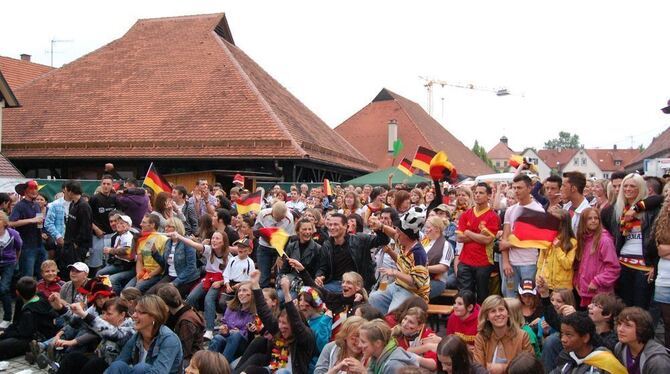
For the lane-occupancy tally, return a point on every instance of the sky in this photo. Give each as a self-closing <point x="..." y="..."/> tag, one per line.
<point x="595" y="68"/>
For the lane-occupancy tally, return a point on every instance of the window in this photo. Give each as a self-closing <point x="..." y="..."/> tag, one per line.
<point x="576" y="162"/>
<point x="617" y="162"/>
<point x="583" y="161"/>
<point x="606" y="176"/>
<point x="497" y="164"/>
<point x="533" y="161"/>
<point x="505" y="162"/>
<point x="591" y="175"/>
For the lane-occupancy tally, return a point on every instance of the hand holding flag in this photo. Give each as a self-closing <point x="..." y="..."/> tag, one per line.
<point x="277" y="238"/>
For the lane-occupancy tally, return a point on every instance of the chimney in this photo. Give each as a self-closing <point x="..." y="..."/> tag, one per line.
<point x="615" y="147"/>
<point x="392" y="134"/>
<point x="503" y="140"/>
<point x="25" y="57"/>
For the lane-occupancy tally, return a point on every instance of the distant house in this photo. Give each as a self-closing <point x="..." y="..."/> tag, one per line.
<point x="500" y="155"/>
<point x="543" y="170"/>
<point x="659" y="148"/>
<point x="373" y="129"/>
<point x="180" y="92"/>
<point x="594" y="163"/>
<point x="7" y="100"/>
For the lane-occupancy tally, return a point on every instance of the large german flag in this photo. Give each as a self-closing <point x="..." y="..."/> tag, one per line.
<point x="422" y="159"/>
<point x="277" y="238"/>
<point x="156" y="181"/>
<point x="533" y="229"/>
<point x="251" y="203"/>
<point x="406" y="167"/>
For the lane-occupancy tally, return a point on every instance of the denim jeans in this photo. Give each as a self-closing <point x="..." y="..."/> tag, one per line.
<point x="436" y="288"/>
<point x="120" y="367"/>
<point x="145" y="284"/>
<point x="211" y="297"/>
<point x="6" y="274"/>
<point x="266" y="257"/>
<point x="521" y="272"/>
<point x="95" y="258"/>
<point x="119" y="276"/>
<point x="31" y="260"/>
<point x="475" y="279"/>
<point x="232" y="346"/>
<point x="333" y="286"/>
<point x="390" y="298"/>
<point x="551" y="348"/>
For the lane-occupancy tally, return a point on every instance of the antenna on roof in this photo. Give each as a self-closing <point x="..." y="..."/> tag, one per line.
<point x="54" y="41"/>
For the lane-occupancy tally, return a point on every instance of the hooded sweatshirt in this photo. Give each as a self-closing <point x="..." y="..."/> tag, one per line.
<point x="392" y="359"/>
<point x="10" y="245"/>
<point x="465" y="329"/>
<point x="602" y="267"/>
<point x="33" y="321"/>
<point x="600" y="360"/>
<point x="654" y="357"/>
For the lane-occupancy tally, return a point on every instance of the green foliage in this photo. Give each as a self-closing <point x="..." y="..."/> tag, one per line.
<point x="565" y="140"/>
<point x="481" y="153"/>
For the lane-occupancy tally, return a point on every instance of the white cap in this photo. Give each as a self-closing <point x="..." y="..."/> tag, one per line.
<point x="127" y="220"/>
<point x="79" y="266"/>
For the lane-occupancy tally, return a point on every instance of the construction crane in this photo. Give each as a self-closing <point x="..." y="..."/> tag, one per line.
<point x="429" y="82"/>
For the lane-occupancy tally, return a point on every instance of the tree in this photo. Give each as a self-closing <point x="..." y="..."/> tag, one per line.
<point x="481" y="153"/>
<point x="565" y="140"/>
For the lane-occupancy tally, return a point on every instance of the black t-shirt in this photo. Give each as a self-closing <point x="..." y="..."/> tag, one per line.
<point x="101" y="205"/>
<point x="342" y="261"/>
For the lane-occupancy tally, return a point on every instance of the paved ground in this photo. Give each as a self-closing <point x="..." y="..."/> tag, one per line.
<point x="19" y="363"/>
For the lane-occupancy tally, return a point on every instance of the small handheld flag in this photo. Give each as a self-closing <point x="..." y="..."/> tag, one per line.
<point x="397" y="147"/>
<point x="517" y="160"/>
<point x="251" y="203"/>
<point x="406" y="167"/>
<point x="156" y="181"/>
<point x="422" y="159"/>
<point x="327" y="190"/>
<point x="277" y="238"/>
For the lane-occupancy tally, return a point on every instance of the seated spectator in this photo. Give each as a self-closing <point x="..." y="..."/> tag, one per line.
<point x="153" y="347"/>
<point x="306" y="250"/>
<point x="525" y="363"/>
<point x="121" y="255"/>
<point x="603" y="311"/>
<point x="580" y="352"/>
<point x="50" y="282"/>
<point x="454" y="357"/>
<point x="516" y="315"/>
<point x="499" y="338"/>
<point x="411" y="334"/>
<point x="130" y="296"/>
<point x="346" y="345"/>
<point x="206" y="362"/>
<point x="439" y="254"/>
<point x="238" y="268"/>
<point x="396" y="315"/>
<point x="637" y="350"/>
<point x="34" y="321"/>
<point x="183" y="320"/>
<point x="312" y="308"/>
<point x="234" y="334"/>
<point x="367" y="312"/>
<point x="147" y="270"/>
<point x="462" y="321"/>
<point x="78" y="277"/>
<point x="179" y="261"/>
<point x="114" y="326"/>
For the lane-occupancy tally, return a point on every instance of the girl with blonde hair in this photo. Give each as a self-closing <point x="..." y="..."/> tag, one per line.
<point x="345" y="345"/>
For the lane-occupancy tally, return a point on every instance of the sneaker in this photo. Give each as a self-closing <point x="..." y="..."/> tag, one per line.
<point x="5" y="324"/>
<point x="31" y="356"/>
<point x="209" y="335"/>
<point x="42" y="361"/>
<point x="51" y="353"/>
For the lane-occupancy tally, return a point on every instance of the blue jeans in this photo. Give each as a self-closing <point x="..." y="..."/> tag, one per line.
<point x="266" y="257"/>
<point x="551" y="348"/>
<point x="6" y="274"/>
<point x="118" y="275"/>
<point x="120" y="367"/>
<point x="211" y="297"/>
<point x="143" y="285"/>
<point x="232" y="346"/>
<point x="333" y="286"/>
<point x="436" y="288"/>
<point x="521" y="272"/>
<point x="31" y="260"/>
<point x="390" y="298"/>
<point x="95" y="258"/>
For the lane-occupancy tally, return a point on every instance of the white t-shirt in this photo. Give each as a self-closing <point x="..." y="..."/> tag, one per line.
<point x="124" y="240"/>
<point x="633" y="244"/>
<point x="663" y="279"/>
<point x="214" y="264"/>
<point x="172" y="271"/>
<point x="238" y="270"/>
<point x="577" y="213"/>
<point x="521" y="256"/>
<point x="447" y="257"/>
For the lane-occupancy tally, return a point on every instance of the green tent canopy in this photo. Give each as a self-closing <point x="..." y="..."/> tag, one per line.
<point x="380" y="178"/>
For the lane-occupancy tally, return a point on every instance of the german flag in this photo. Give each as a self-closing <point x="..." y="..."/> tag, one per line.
<point x="327" y="190"/>
<point x="156" y="181"/>
<point x="277" y="238"/>
<point x="406" y="167"/>
<point x="422" y="159"/>
<point x="533" y="229"/>
<point x="441" y="167"/>
<point x="517" y="160"/>
<point x="251" y="203"/>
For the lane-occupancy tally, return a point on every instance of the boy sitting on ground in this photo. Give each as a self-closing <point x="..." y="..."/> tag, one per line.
<point x="50" y="281"/>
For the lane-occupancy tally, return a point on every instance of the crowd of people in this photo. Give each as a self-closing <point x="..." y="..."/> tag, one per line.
<point x="132" y="281"/>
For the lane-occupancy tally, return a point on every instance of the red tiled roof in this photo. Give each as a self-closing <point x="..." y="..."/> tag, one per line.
<point x="659" y="148"/>
<point x="19" y="72"/>
<point x="556" y="159"/>
<point x="8" y="170"/>
<point x="500" y="151"/>
<point x="169" y="88"/>
<point x="367" y="131"/>
<point x="605" y="158"/>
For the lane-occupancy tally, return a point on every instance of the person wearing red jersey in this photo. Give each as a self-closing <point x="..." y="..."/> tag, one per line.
<point x="476" y="230"/>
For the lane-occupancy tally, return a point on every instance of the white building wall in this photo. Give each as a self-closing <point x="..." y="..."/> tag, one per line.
<point x="544" y="171"/>
<point x="583" y="163"/>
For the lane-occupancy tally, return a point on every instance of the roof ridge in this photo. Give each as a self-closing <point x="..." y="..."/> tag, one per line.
<point x="27" y="62"/>
<point x="414" y="120"/>
<point x="252" y="86"/>
<point x="190" y="16"/>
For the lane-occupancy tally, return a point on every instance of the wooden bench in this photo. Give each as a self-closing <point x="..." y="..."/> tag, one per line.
<point x="437" y="314"/>
<point x="449" y="293"/>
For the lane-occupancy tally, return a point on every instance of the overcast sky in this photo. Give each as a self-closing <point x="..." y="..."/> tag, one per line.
<point x="596" y="68"/>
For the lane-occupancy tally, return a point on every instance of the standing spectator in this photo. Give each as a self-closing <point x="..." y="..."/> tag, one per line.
<point x="5" y="202"/>
<point x="612" y="194"/>
<point x="102" y="203"/>
<point x="276" y="216"/>
<point x="10" y="247"/>
<point x="223" y="222"/>
<point x="555" y="263"/>
<point x="203" y="201"/>
<point x="180" y="201"/>
<point x="662" y="292"/>
<point x="572" y="191"/>
<point x="133" y="200"/>
<point x="518" y="263"/>
<point x="77" y="228"/>
<point x="26" y="219"/>
<point x="295" y="203"/>
<point x="477" y="229"/>
<point x="54" y="223"/>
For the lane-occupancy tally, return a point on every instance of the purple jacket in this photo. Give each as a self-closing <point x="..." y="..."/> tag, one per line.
<point x="602" y="267"/>
<point x="9" y="251"/>
<point x="237" y="319"/>
<point x="135" y="203"/>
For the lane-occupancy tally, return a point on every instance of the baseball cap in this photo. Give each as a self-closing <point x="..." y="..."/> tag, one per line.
<point x="244" y="242"/>
<point x="127" y="220"/>
<point x="442" y="207"/>
<point x="79" y="266"/>
<point x="527" y="286"/>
